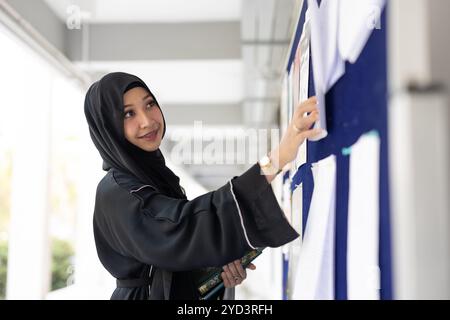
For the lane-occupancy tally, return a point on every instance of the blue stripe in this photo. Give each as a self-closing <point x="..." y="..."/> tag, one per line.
<point x="297" y="36"/>
<point x="340" y="274"/>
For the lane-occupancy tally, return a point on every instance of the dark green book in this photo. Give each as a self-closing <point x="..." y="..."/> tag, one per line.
<point x="211" y="281"/>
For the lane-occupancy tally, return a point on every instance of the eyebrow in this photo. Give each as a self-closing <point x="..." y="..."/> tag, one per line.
<point x="143" y="99"/>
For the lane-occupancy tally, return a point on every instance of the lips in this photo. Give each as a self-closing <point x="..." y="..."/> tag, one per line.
<point x="149" y="134"/>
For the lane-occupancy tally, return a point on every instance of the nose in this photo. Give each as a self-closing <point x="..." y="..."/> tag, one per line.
<point x="145" y="121"/>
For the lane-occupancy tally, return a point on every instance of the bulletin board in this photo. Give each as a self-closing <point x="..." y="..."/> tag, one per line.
<point x="355" y="105"/>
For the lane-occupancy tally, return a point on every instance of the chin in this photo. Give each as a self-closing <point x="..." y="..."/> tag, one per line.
<point x="154" y="147"/>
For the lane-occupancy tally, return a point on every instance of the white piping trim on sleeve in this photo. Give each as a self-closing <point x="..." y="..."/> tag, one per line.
<point x="145" y="186"/>
<point x="150" y="276"/>
<point x="240" y="216"/>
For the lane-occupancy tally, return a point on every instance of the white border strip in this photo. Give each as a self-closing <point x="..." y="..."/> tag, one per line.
<point x="147" y="185"/>
<point x="240" y="216"/>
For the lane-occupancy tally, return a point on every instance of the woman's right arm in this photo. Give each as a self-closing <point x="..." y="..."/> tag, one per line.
<point x="297" y="132"/>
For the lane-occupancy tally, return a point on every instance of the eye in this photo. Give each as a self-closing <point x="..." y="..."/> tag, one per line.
<point x="151" y="104"/>
<point x="128" y="114"/>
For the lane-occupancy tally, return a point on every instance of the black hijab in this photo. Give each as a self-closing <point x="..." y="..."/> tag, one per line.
<point x="104" y="110"/>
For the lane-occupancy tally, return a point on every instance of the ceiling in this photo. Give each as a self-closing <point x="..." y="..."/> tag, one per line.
<point x="184" y="81"/>
<point x="150" y="11"/>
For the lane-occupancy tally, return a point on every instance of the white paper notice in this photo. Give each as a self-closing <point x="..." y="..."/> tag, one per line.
<point x="328" y="65"/>
<point x="295" y="246"/>
<point x="315" y="272"/>
<point x="363" y="272"/>
<point x="303" y="52"/>
<point x="357" y="20"/>
<point x="304" y="48"/>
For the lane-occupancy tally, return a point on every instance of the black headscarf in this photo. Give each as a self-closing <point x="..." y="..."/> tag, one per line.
<point x="104" y="110"/>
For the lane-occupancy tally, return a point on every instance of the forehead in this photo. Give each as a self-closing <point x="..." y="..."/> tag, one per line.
<point x="134" y="94"/>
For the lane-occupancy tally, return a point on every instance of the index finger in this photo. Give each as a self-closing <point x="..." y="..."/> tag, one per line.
<point x="309" y="105"/>
<point x="312" y="99"/>
<point x="240" y="269"/>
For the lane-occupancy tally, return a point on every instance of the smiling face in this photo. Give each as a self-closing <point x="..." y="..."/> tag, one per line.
<point x="143" y="121"/>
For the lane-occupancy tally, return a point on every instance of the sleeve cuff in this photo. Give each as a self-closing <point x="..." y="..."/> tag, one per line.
<point x="252" y="183"/>
<point x="264" y="221"/>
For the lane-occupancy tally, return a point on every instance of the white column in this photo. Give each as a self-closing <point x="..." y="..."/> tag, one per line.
<point x="92" y="281"/>
<point x="419" y="131"/>
<point x="408" y="43"/>
<point x="28" y="255"/>
<point x="419" y="158"/>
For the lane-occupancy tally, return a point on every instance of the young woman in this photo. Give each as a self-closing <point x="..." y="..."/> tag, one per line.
<point x="152" y="239"/>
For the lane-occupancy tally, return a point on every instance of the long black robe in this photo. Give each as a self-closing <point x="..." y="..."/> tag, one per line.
<point x="139" y="230"/>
